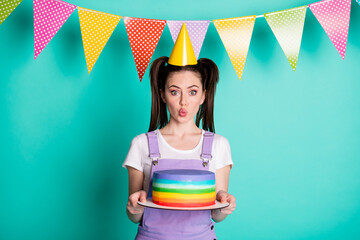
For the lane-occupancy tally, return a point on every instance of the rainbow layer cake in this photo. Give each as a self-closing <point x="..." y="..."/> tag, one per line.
<point x="183" y="188"/>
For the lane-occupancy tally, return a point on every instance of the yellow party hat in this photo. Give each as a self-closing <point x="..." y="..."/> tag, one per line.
<point x="183" y="52"/>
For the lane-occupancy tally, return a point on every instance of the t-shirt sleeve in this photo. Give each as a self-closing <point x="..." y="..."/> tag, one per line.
<point x="135" y="155"/>
<point x="223" y="153"/>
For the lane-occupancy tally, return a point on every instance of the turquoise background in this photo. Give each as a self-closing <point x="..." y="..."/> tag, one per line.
<point x="294" y="137"/>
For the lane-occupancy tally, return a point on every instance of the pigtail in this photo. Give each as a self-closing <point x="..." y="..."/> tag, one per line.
<point x="158" y="76"/>
<point x="210" y="74"/>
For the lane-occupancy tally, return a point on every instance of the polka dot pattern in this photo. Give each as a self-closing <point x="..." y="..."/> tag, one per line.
<point x="96" y="29"/>
<point x="144" y="34"/>
<point x="49" y="16"/>
<point x="288" y="28"/>
<point x="235" y="34"/>
<point x="334" y="16"/>
<point x="196" y="29"/>
<point x="6" y="7"/>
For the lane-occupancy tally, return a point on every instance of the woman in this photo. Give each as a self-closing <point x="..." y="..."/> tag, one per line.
<point x="186" y="91"/>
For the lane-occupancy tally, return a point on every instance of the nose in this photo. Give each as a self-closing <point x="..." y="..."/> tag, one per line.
<point x="183" y="99"/>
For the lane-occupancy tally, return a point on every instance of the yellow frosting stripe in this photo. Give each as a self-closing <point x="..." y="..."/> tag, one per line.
<point x="183" y="196"/>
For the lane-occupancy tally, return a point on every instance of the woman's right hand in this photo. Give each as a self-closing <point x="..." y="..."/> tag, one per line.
<point x="132" y="206"/>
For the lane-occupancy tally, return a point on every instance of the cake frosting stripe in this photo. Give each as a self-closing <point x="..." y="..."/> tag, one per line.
<point x="186" y="186"/>
<point x="183" y="188"/>
<point x="170" y="204"/>
<point x="166" y="181"/>
<point x="183" y="196"/>
<point x="176" y="200"/>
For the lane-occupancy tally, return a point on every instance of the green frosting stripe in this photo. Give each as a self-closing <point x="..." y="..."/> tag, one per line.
<point x="184" y="191"/>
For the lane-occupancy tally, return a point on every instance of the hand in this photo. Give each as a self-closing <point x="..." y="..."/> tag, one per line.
<point x="132" y="206"/>
<point x="223" y="197"/>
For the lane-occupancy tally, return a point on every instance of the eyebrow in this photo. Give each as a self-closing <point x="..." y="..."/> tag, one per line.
<point x="179" y="87"/>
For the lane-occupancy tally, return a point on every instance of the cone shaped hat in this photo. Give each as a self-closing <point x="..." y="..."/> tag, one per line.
<point x="183" y="52"/>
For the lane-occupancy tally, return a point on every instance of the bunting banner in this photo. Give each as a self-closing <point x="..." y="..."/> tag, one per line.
<point x="49" y="16"/>
<point x="196" y="29"/>
<point x="96" y="29"/>
<point x="334" y="17"/>
<point x="287" y="26"/>
<point x="235" y="33"/>
<point x="144" y="34"/>
<point x="6" y="8"/>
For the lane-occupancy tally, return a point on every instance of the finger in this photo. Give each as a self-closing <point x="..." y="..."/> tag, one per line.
<point x="230" y="199"/>
<point x="221" y="196"/>
<point x="142" y="196"/>
<point x="134" y="198"/>
<point x="227" y="211"/>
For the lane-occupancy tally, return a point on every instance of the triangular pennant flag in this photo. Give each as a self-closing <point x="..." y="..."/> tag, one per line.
<point x="288" y="25"/>
<point x="6" y="7"/>
<point x="196" y="29"/>
<point x="49" y="16"/>
<point x="144" y="34"/>
<point x="334" y="17"/>
<point x="235" y="34"/>
<point x="96" y="29"/>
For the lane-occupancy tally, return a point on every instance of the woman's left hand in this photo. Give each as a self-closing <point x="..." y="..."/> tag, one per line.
<point x="223" y="197"/>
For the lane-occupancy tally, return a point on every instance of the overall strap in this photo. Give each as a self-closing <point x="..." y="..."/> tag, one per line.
<point x="154" y="152"/>
<point x="206" y="155"/>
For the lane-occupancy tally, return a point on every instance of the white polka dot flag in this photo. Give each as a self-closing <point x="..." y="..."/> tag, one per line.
<point x="334" y="16"/>
<point x="49" y="16"/>
<point x="196" y="29"/>
<point x="6" y="7"/>
<point x="144" y="34"/>
<point x="235" y="34"/>
<point x="287" y="26"/>
<point x="96" y="29"/>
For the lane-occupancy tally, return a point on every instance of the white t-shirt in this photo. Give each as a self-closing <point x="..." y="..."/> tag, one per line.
<point x="138" y="155"/>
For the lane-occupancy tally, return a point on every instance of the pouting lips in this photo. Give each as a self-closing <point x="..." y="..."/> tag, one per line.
<point x="182" y="112"/>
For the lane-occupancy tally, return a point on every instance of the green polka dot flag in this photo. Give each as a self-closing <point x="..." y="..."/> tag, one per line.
<point x="6" y="7"/>
<point x="287" y="26"/>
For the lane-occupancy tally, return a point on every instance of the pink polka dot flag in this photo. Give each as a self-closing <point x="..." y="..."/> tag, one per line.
<point x="49" y="16"/>
<point x="235" y="34"/>
<point x="6" y="7"/>
<point x="144" y="34"/>
<point x="96" y="29"/>
<point x="196" y="29"/>
<point x="334" y="16"/>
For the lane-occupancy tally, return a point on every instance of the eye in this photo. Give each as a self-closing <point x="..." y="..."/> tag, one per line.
<point x="193" y="92"/>
<point x="174" y="92"/>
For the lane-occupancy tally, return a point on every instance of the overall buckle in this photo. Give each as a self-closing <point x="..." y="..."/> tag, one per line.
<point x="205" y="161"/>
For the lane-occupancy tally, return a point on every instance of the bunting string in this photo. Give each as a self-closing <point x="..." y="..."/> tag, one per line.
<point x="143" y="34"/>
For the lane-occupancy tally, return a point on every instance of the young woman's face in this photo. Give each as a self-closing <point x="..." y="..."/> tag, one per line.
<point x="183" y="95"/>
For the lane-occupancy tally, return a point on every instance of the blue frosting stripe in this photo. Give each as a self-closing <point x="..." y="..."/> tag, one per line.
<point x="184" y="175"/>
<point x="167" y="181"/>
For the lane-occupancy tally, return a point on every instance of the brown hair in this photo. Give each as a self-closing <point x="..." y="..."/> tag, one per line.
<point x="159" y="72"/>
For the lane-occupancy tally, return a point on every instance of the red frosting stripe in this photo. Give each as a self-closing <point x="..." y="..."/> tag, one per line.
<point x="184" y="204"/>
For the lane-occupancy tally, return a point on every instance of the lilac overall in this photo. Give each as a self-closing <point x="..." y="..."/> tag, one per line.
<point x="162" y="224"/>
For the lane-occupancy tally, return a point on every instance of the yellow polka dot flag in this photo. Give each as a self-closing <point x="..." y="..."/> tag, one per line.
<point x="235" y="33"/>
<point x="96" y="29"/>
<point x="287" y="26"/>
